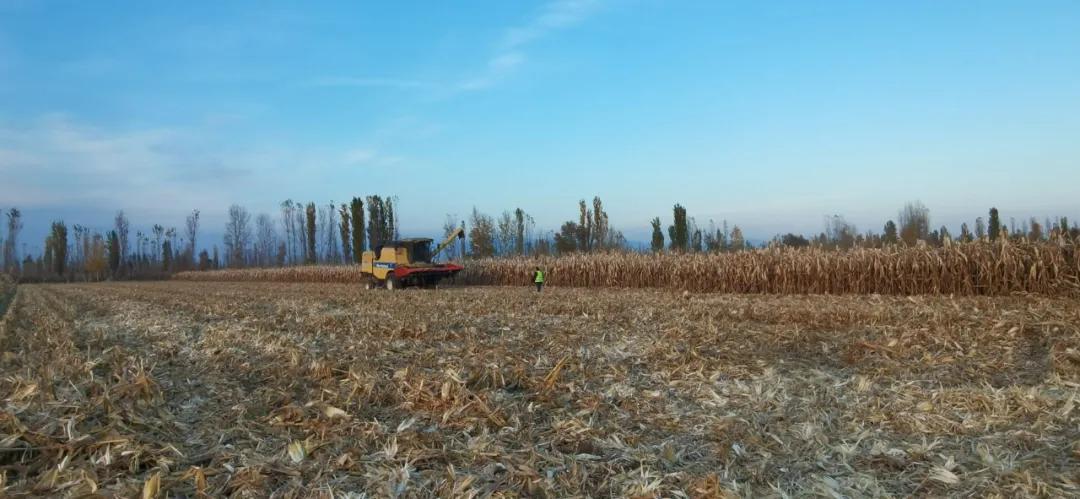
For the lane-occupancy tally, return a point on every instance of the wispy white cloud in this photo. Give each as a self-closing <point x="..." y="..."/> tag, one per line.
<point x="54" y="161"/>
<point x="556" y="15"/>
<point x="509" y="53"/>
<point x="366" y="157"/>
<point x="57" y="163"/>
<point x="498" y="68"/>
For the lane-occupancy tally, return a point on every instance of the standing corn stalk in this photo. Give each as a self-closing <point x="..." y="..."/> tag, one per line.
<point x="963" y="269"/>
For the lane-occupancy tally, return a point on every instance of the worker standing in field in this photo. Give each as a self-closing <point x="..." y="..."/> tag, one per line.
<point x="538" y="279"/>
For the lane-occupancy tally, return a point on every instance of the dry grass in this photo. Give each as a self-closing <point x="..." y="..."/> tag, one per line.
<point x="299" y="390"/>
<point x="7" y="293"/>
<point x="7" y="285"/>
<point x="960" y="269"/>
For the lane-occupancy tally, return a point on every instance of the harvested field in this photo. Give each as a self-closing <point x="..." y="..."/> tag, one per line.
<point x="184" y="388"/>
<point x="7" y="292"/>
<point x="961" y="269"/>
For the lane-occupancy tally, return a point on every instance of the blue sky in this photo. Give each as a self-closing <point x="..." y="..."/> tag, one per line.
<point x="771" y="115"/>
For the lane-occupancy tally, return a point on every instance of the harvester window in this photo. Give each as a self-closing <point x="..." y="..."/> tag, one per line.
<point x="421" y="252"/>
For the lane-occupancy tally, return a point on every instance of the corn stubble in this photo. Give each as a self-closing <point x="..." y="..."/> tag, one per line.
<point x="960" y="269"/>
<point x="185" y="389"/>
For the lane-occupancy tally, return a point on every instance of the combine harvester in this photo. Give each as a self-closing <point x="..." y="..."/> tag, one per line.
<point x="408" y="262"/>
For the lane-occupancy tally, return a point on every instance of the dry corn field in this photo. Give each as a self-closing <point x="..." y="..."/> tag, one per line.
<point x="7" y="292"/>
<point x="186" y="389"/>
<point x="961" y="269"/>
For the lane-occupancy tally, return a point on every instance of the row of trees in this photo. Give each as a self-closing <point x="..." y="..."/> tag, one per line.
<point x="85" y="254"/>
<point x="684" y="235"/>
<point x="591" y="232"/>
<point x="339" y="233"/>
<point x="913" y="227"/>
<point x="510" y="234"/>
<point x="312" y="234"/>
<point x="161" y="250"/>
<point x="514" y="233"/>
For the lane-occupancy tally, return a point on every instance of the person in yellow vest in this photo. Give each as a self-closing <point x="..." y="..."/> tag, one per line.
<point x="538" y="279"/>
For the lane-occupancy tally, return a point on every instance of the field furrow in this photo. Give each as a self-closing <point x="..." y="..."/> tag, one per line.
<point x="255" y="389"/>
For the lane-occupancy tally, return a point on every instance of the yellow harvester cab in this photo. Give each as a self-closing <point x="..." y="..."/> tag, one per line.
<point x="404" y="263"/>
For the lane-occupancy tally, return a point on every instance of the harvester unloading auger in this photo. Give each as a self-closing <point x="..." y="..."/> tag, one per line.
<point x="408" y="262"/>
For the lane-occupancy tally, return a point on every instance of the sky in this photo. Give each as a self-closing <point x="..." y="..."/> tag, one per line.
<point x="771" y="115"/>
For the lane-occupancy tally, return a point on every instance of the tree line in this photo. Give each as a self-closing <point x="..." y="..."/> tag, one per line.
<point x="339" y="233"/>
<point x="514" y="233"/>
<point x="912" y="227"/>
<point x="80" y="253"/>
<point x="685" y="235"/>
<point x="311" y="234"/>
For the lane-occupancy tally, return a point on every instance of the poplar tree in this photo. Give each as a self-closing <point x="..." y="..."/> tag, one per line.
<point x="56" y="249"/>
<point x="122" y="227"/>
<point x="330" y="221"/>
<point x="390" y="231"/>
<point x="738" y="243"/>
<point x="679" y="231"/>
<point x="584" y="227"/>
<point x="356" y="209"/>
<point x="11" y="245"/>
<point x="288" y="223"/>
<point x="310" y="212"/>
<point x="995" y="225"/>
<point x="114" y="252"/>
<point x="166" y="256"/>
<point x="376" y="222"/>
<point x="345" y="226"/>
<point x="192" y="226"/>
<point x="519" y="231"/>
<point x="599" y="225"/>
<point x="890" y="236"/>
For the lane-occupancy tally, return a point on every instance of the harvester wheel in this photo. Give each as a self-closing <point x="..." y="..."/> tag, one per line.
<point x="392" y="282"/>
<point x="368" y="284"/>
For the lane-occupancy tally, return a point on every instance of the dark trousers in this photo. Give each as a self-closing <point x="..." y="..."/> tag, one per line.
<point x="539" y="286"/>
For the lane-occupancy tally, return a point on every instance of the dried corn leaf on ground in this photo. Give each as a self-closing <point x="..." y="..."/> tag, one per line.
<point x="302" y="390"/>
<point x="961" y="269"/>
